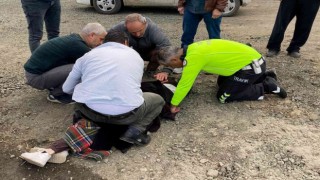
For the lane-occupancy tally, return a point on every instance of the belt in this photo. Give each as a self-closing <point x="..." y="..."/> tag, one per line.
<point x="248" y="67"/>
<point x="113" y="117"/>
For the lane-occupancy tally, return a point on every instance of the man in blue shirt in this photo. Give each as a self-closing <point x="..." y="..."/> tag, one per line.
<point x="194" y="11"/>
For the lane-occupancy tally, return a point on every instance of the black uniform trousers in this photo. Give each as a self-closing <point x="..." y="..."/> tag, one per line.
<point x="241" y="86"/>
<point x="305" y="12"/>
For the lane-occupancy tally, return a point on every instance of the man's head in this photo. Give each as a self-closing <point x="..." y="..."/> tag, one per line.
<point x="93" y="34"/>
<point x="170" y="56"/>
<point x="117" y="36"/>
<point x="136" y="24"/>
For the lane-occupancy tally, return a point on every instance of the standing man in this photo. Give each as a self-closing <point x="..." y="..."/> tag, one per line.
<point x="241" y="69"/>
<point x="105" y="84"/>
<point x="146" y="38"/>
<point x="194" y="11"/>
<point x="305" y="13"/>
<point x="36" y="12"/>
<point x="50" y="64"/>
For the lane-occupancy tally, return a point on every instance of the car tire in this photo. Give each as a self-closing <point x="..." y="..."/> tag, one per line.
<point x="107" y="6"/>
<point x="232" y="8"/>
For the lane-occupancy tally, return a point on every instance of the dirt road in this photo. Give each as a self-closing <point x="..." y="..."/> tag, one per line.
<point x="272" y="139"/>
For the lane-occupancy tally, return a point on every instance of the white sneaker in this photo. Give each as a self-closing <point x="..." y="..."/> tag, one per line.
<point x="36" y="158"/>
<point x="57" y="158"/>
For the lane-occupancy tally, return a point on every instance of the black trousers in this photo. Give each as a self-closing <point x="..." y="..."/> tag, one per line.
<point x="305" y="12"/>
<point x="241" y="86"/>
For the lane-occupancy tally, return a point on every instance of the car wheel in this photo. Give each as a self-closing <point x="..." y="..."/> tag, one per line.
<point x="107" y="6"/>
<point x="232" y="8"/>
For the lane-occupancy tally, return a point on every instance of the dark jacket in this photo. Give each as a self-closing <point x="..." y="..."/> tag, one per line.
<point x="153" y="39"/>
<point x="56" y="52"/>
<point x="210" y="5"/>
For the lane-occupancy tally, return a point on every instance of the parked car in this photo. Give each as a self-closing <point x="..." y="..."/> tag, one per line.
<point x="233" y="7"/>
<point x="114" y="6"/>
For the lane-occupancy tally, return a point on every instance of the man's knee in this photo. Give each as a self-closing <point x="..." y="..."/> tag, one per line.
<point x="153" y="99"/>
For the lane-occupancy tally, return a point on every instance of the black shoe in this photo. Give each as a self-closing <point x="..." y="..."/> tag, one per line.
<point x="272" y="74"/>
<point x="134" y="136"/>
<point x="271" y="86"/>
<point x="272" y="53"/>
<point x="294" y="54"/>
<point x="62" y="99"/>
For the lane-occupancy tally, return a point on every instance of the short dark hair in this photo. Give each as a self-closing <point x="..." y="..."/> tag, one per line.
<point x="116" y="36"/>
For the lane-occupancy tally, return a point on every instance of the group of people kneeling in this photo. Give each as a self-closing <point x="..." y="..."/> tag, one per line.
<point x="104" y="82"/>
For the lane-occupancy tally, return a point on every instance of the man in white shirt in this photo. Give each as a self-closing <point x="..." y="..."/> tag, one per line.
<point x="105" y="83"/>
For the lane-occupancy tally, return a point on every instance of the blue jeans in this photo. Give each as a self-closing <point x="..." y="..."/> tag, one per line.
<point x="38" y="11"/>
<point x="191" y="22"/>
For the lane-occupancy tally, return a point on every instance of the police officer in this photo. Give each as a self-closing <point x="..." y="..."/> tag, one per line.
<point x="241" y="69"/>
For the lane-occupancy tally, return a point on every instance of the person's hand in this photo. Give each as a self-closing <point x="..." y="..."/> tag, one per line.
<point x="216" y="13"/>
<point x="181" y="10"/>
<point x="163" y="77"/>
<point x="174" y="109"/>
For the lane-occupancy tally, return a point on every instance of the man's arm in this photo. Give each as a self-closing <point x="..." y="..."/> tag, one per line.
<point x="219" y="8"/>
<point x="221" y="4"/>
<point x="159" y="39"/>
<point x="181" y="4"/>
<point x="189" y="75"/>
<point x="73" y="79"/>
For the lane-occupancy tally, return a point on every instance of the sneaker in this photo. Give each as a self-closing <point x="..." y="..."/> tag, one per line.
<point x="271" y="86"/>
<point x="37" y="158"/>
<point x="59" y="158"/>
<point x="62" y="99"/>
<point x="56" y="158"/>
<point x="134" y="136"/>
<point x="272" y="74"/>
<point x="272" y="53"/>
<point x="294" y="54"/>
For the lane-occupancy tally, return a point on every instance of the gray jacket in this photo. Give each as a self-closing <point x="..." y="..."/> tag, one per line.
<point x="152" y="39"/>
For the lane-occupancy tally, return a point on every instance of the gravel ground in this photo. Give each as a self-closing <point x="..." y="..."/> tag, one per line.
<point x="271" y="139"/>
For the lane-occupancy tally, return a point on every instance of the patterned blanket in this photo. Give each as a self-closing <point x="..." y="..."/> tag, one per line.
<point x="80" y="136"/>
